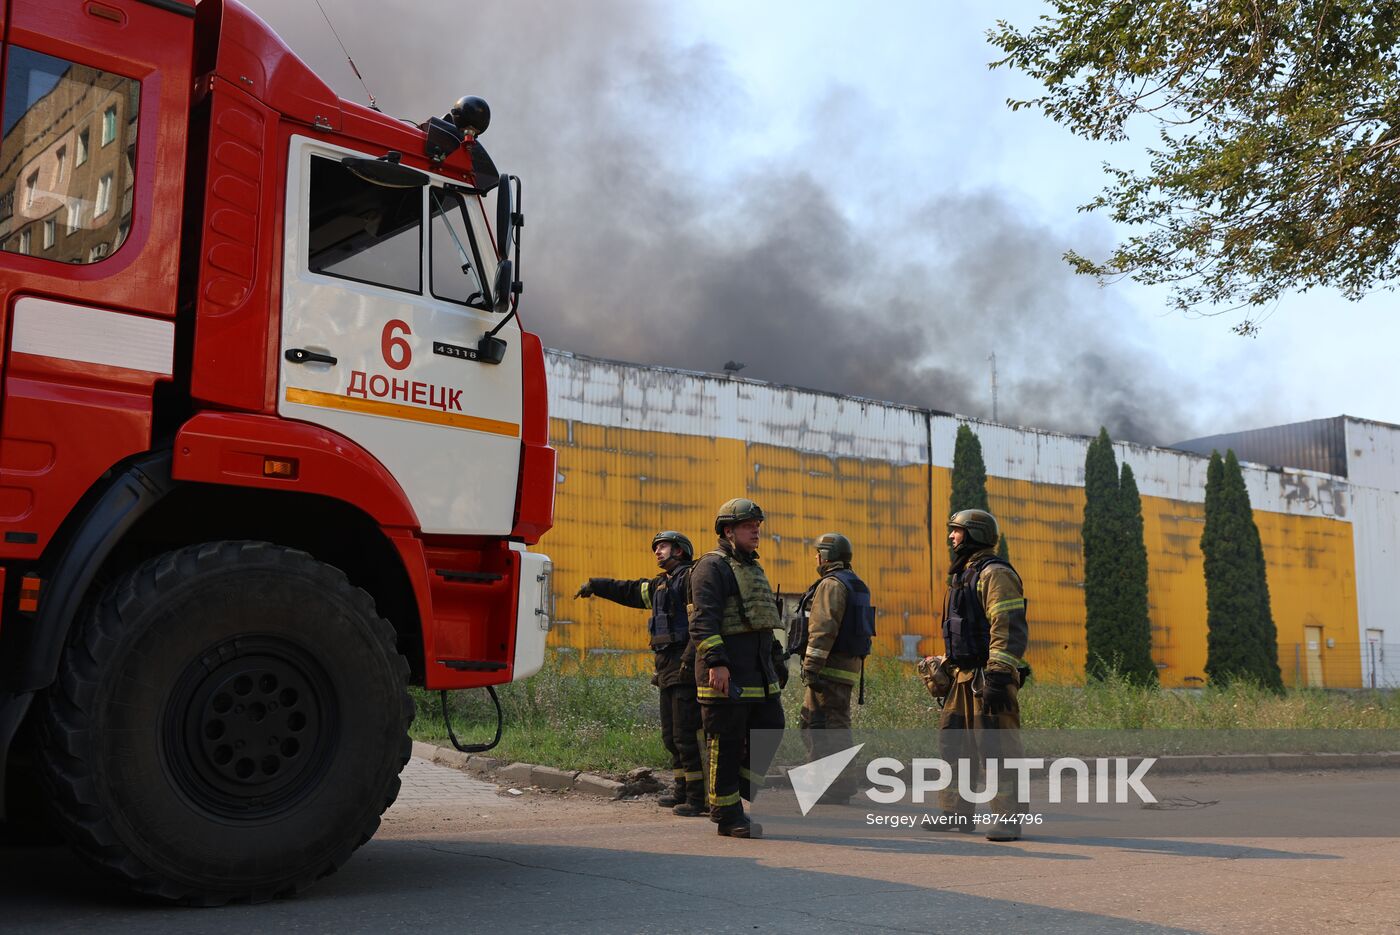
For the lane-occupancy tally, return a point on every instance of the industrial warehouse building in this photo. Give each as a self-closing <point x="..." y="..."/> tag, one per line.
<point x="648" y="448"/>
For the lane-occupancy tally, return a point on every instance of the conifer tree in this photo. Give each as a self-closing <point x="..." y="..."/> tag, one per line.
<point x="1101" y="558"/>
<point x="1241" y="639"/>
<point x="969" y="474"/>
<point x="1135" y="624"/>
<point x="1117" y="630"/>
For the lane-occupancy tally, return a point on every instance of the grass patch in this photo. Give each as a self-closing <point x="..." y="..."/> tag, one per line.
<point x="596" y="714"/>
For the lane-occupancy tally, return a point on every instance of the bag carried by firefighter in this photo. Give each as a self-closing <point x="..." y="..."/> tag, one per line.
<point x="797" y="631"/>
<point x="933" y="670"/>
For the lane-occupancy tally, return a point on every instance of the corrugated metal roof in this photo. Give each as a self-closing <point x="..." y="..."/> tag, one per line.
<point x="1319" y="445"/>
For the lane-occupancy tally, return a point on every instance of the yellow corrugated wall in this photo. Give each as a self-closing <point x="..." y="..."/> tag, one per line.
<point x="617" y="487"/>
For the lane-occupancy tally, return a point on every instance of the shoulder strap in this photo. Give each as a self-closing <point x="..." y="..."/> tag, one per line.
<point x="976" y="569"/>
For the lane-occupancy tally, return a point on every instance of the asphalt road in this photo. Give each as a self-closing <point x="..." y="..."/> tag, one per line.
<point x="458" y="854"/>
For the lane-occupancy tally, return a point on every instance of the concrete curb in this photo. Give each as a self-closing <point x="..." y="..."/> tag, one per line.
<point x="521" y="774"/>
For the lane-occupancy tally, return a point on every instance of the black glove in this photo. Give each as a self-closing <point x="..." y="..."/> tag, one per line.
<point x="996" y="691"/>
<point x="585" y="589"/>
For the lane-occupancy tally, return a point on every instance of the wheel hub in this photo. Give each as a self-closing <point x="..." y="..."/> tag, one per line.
<point x="249" y="727"/>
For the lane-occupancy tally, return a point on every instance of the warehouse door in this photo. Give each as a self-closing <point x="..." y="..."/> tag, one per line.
<point x="1373" y="659"/>
<point x="1312" y="648"/>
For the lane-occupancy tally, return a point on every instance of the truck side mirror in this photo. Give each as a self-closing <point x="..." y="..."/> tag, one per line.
<point x="501" y="289"/>
<point x="505" y="216"/>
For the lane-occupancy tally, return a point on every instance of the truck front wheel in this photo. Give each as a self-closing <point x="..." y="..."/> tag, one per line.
<point x="229" y="722"/>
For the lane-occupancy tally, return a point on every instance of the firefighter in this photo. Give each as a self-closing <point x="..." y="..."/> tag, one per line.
<point x="739" y="669"/>
<point x="839" y="623"/>
<point x="984" y="633"/>
<point x="667" y="596"/>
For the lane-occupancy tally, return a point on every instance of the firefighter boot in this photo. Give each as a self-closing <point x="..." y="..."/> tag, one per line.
<point x="741" y="827"/>
<point x="999" y="829"/>
<point x="675" y="797"/>
<point x="694" y="805"/>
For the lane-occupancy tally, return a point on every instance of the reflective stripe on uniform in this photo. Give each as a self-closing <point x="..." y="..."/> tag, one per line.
<point x="1014" y="603"/>
<point x="731" y="798"/>
<point x="814" y="653"/>
<point x="695" y="776"/>
<point x="753" y="779"/>
<point x="646" y="594"/>
<point x="709" y="642"/>
<point x="712" y="744"/>
<point x="745" y="691"/>
<point x="839" y="675"/>
<point x="1014" y="662"/>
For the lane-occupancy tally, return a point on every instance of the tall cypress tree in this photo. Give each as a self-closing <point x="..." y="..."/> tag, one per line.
<point x="1101" y="556"/>
<point x="1241" y="639"/>
<point x="1117" y="630"/>
<point x="970" y="479"/>
<point x="1136" y="626"/>
<point x="969" y="473"/>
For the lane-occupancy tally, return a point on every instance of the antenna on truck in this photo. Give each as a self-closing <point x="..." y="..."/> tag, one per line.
<point x="374" y="105"/>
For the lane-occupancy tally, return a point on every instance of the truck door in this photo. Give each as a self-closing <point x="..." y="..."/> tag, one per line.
<point x="92" y="157"/>
<point x="382" y="306"/>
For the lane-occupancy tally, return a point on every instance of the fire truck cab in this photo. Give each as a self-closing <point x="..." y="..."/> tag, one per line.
<point x="273" y="442"/>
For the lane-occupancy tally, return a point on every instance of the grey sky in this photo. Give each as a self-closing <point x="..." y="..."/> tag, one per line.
<point x="836" y="194"/>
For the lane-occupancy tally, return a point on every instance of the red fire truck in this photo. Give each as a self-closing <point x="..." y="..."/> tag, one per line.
<point x="272" y="442"/>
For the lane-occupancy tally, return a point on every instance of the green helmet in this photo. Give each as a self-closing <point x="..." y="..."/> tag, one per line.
<point x="676" y="539"/>
<point x="738" y="510"/>
<point x="980" y="526"/>
<point x="834" y="547"/>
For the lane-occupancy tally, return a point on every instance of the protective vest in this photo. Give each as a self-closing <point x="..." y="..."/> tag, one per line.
<point x="857" y="625"/>
<point x="755" y="607"/>
<point x="668" y="622"/>
<point x="967" y="632"/>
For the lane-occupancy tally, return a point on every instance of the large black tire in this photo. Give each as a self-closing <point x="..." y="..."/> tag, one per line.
<point x="229" y="723"/>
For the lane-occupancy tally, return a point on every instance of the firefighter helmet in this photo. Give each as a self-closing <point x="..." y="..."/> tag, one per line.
<point x="979" y="525"/>
<point x="834" y="547"/>
<point x="677" y="540"/>
<point x="738" y="510"/>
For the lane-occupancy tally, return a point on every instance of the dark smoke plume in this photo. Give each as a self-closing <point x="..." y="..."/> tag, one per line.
<point x="646" y="240"/>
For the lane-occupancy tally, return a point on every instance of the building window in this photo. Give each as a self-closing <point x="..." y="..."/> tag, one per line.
<point x="44" y="98"/>
<point x="104" y="196"/>
<point x="24" y="237"/>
